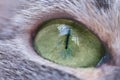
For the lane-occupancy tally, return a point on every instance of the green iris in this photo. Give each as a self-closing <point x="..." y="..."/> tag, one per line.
<point x="68" y="43"/>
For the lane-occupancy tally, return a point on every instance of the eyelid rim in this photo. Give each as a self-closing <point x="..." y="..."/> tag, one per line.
<point x="46" y="17"/>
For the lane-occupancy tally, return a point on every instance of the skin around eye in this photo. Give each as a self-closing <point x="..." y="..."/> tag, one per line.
<point x="68" y="43"/>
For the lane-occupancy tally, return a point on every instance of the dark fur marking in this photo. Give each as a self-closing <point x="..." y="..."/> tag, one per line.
<point x="102" y="4"/>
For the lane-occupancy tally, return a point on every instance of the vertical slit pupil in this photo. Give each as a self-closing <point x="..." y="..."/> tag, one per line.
<point x="67" y="39"/>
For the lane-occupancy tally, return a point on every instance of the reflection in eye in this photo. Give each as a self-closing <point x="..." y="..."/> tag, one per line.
<point x="68" y="43"/>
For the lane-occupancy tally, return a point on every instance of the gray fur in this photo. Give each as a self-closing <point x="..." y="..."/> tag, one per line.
<point x="13" y="67"/>
<point x="20" y="18"/>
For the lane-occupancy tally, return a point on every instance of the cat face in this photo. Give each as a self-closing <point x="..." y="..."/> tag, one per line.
<point x="20" y="19"/>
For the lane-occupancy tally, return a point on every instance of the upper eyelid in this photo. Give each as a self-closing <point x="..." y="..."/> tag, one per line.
<point x="32" y="14"/>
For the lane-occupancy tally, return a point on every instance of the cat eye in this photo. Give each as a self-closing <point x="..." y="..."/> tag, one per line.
<point x="68" y="43"/>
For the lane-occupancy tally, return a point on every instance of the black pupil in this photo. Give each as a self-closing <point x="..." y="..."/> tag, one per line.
<point x="67" y="39"/>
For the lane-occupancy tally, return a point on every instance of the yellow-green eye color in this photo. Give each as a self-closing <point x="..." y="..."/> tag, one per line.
<point x="68" y="43"/>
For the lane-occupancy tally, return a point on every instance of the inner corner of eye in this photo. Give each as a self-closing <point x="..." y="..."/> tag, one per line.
<point x="68" y="43"/>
